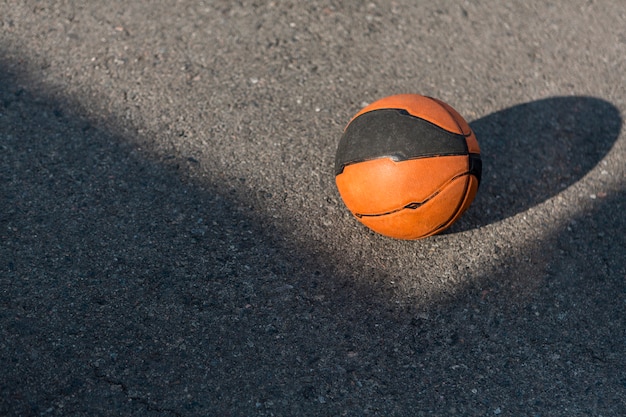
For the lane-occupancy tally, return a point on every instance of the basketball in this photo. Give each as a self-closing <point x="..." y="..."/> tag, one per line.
<point x="408" y="166"/>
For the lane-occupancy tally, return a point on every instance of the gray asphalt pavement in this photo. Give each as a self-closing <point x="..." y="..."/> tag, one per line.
<point x="172" y="242"/>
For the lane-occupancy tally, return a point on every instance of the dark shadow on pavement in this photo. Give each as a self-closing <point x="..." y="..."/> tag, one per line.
<point x="126" y="290"/>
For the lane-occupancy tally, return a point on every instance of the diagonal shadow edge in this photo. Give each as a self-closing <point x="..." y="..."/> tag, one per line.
<point x="104" y="143"/>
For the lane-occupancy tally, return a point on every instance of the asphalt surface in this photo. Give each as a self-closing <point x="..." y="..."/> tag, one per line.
<point x="172" y="242"/>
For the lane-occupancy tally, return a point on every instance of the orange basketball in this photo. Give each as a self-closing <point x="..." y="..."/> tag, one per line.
<point x="408" y="166"/>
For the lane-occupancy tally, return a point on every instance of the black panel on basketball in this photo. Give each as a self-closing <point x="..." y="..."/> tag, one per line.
<point x="475" y="166"/>
<point x="395" y="134"/>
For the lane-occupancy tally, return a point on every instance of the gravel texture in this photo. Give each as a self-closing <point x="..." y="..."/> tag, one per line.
<point x="172" y="242"/>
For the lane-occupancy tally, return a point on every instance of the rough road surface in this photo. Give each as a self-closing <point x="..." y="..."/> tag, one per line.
<point x="172" y="242"/>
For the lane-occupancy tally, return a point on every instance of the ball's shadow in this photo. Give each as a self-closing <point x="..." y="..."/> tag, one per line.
<point x="534" y="150"/>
